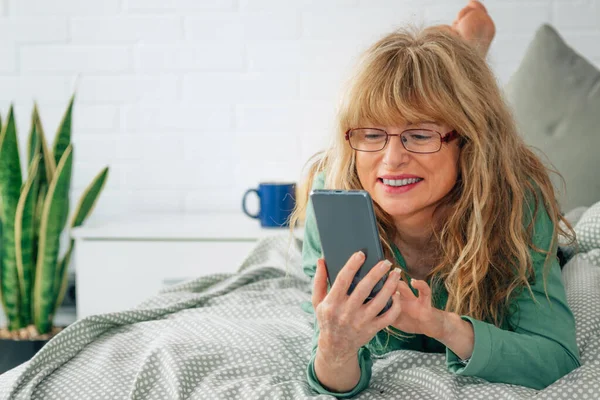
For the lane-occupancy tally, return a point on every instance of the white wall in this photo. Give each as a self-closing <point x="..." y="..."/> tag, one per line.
<point x="190" y="102"/>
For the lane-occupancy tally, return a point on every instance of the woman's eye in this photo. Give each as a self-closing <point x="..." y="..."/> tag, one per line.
<point x="374" y="136"/>
<point x="420" y="136"/>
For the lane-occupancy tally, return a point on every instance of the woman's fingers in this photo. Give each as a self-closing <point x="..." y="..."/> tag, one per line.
<point x="424" y="291"/>
<point x="365" y="286"/>
<point x="404" y="290"/>
<point x="319" y="284"/>
<point x="344" y="278"/>
<point x="375" y="305"/>
<point x="390" y="316"/>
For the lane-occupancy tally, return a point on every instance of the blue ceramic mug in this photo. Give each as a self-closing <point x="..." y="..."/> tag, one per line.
<point x="276" y="203"/>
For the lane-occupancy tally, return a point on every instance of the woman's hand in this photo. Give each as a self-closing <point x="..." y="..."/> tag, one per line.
<point x="345" y="322"/>
<point x="417" y="315"/>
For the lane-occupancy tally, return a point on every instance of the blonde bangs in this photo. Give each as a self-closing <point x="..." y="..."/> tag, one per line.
<point x="398" y="86"/>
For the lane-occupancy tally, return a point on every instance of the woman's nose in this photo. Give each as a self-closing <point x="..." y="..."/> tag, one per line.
<point x="394" y="153"/>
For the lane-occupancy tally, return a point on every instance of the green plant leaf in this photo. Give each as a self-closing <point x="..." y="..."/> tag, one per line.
<point x="49" y="163"/>
<point x="84" y="209"/>
<point x="10" y="188"/>
<point x="89" y="198"/>
<point x="24" y="238"/>
<point x="39" y="207"/>
<point x="51" y="226"/>
<point x="63" y="275"/>
<point x="33" y="144"/>
<point x="1" y="298"/>
<point x="63" y="135"/>
<point x="1" y="257"/>
<point x="37" y="145"/>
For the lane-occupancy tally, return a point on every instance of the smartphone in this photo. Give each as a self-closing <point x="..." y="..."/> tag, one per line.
<point x="346" y="224"/>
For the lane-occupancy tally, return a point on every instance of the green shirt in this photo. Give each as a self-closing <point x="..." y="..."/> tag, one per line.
<point x="540" y="350"/>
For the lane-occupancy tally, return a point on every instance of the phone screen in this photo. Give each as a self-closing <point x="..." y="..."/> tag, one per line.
<point x="346" y="224"/>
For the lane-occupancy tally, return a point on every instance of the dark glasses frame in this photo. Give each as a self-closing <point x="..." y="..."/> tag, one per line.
<point x="446" y="138"/>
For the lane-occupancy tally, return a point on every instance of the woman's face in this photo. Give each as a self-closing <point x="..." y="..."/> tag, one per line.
<point x="438" y="173"/>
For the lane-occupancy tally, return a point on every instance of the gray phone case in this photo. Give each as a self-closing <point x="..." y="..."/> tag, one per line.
<point x="346" y="224"/>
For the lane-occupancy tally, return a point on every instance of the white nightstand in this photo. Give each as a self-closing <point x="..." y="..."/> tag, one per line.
<point x="120" y="263"/>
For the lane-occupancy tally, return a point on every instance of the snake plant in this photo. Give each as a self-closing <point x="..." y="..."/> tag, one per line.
<point x="33" y="214"/>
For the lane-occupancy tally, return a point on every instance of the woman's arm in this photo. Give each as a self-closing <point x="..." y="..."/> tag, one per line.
<point x="323" y="377"/>
<point x="458" y="335"/>
<point x="341" y="377"/>
<point x="542" y="348"/>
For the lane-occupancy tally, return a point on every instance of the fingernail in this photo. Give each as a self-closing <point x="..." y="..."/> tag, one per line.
<point x="385" y="265"/>
<point x="359" y="255"/>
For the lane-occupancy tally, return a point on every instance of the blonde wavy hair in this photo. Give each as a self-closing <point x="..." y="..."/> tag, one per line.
<point x="482" y="259"/>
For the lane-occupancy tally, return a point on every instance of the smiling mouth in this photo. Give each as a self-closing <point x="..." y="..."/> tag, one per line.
<point x="399" y="182"/>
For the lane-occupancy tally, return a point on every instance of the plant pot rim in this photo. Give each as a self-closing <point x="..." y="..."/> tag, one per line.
<point x="55" y="330"/>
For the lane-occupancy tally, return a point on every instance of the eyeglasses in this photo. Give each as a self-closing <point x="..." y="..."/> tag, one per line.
<point x="422" y="141"/>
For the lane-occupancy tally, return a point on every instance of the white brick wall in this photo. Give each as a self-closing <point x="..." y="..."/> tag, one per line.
<point x="190" y="102"/>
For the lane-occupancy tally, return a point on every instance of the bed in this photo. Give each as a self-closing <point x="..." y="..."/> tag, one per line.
<point x="246" y="335"/>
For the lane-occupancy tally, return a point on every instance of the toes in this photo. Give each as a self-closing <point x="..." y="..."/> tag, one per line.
<point x="477" y="4"/>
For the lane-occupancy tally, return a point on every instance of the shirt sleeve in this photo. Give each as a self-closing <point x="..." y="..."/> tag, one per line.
<point x="542" y="347"/>
<point x="311" y="251"/>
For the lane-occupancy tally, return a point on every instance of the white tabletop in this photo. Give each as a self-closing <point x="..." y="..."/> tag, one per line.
<point x="197" y="226"/>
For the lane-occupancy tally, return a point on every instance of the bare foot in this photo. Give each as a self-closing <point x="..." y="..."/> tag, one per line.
<point x="475" y="26"/>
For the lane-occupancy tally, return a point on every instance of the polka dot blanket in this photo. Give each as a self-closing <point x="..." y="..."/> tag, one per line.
<point x="245" y="336"/>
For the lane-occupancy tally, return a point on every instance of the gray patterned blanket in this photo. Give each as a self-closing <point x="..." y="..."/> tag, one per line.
<point x="245" y="336"/>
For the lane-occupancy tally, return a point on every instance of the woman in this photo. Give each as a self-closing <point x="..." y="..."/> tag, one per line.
<point x="466" y="213"/>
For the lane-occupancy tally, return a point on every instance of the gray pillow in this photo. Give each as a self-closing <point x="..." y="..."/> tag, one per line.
<point x="588" y="234"/>
<point x="555" y="97"/>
